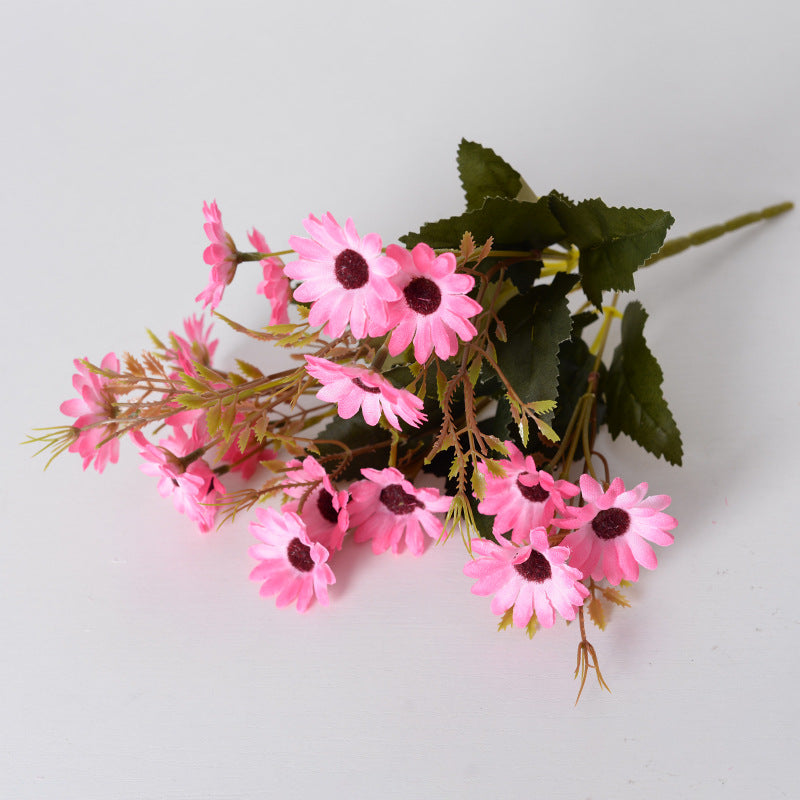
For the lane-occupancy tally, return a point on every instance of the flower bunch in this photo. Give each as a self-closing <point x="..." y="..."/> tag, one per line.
<point x="440" y="384"/>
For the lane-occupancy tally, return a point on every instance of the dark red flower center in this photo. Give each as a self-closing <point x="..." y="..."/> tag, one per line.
<point x="535" y="568"/>
<point x="351" y="269"/>
<point x="363" y="386"/>
<point x="325" y="507"/>
<point x="398" y="501"/>
<point x="299" y="556"/>
<point x="533" y="493"/>
<point x="611" y="523"/>
<point x="423" y="295"/>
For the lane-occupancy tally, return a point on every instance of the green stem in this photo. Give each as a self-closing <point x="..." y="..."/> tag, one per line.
<point x="260" y="256"/>
<point x="678" y="245"/>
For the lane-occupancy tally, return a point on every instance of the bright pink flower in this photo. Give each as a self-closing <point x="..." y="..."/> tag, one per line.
<point x="292" y="566"/>
<point x="525" y="498"/>
<point x="386" y="507"/>
<point x="275" y="286"/>
<point x="193" y="487"/>
<point x="324" y="510"/>
<point x="358" y="388"/>
<point x="220" y="255"/>
<point x="94" y="406"/>
<point x="433" y="309"/>
<point x="531" y="578"/>
<point x="345" y="277"/>
<point x="196" y="347"/>
<point x="612" y="527"/>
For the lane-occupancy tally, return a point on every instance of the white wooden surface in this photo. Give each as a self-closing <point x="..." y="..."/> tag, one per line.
<point x="137" y="660"/>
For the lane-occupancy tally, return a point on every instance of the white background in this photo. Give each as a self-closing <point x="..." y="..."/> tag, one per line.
<point x="136" y="659"/>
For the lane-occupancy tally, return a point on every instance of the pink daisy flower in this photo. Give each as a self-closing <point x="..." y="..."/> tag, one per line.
<point x="531" y="578"/>
<point x="195" y="347"/>
<point x="324" y="510"/>
<point x="345" y="277"/>
<point x="275" y="286"/>
<point x="220" y="255"/>
<point x="525" y="498"/>
<point x="95" y="405"/>
<point x="292" y="566"/>
<point x="386" y="507"/>
<point x="359" y="388"/>
<point x="433" y="309"/>
<point x="194" y="487"/>
<point x="612" y="527"/>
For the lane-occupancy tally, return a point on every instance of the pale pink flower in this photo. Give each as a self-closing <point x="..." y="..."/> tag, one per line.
<point x="275" y="286"/>
<point x="525" y="498"/>
<point x="531" y="578"/>
<point x="194" y="487"/>
<point x="345" y="277"/>
<point x="434" y="308"/>
<point x="612" y="527"/>
<point x="386" y="508"/>
<point x="220" y="255"/>
<point x="94" y="406"/>
<point x="360" y="389"/>
<point x="325" y="509"/>
<point x="195" y="347"/>
<point x="292" y="566"/>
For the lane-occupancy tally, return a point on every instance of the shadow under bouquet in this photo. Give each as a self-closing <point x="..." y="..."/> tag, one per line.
<point x="475" y="351"/>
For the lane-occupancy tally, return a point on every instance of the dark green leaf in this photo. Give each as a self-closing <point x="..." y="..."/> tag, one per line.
<point x="537" y="323"/>
<point x="514" y="226"/>
<point x="636" y="405"/>
<point x="613" y="242"/>
<point x="484" y="174"/>
<point x="524" y="273"/>
<point x="355" y="433"/>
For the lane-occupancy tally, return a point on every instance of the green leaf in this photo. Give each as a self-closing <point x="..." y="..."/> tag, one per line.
<point x="484" y="174"/>
<point x="636" y="405"/>
<point x="355" y="433"/>
<point x="514" y="226"/>
<point x="536" y="323"/>
<point x="613" y="242"/>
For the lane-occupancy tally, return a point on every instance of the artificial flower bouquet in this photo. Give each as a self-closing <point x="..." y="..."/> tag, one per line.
<point x="475" y="352"/>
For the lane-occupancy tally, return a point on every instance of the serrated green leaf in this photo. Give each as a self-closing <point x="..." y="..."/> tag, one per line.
<point x="536" y="324"/>
<point x="636" y="405"/>
<point x="193" y="383"/>
<point x="613" y="242"/>
<point x="190" y="401"/>
<point x="484" y="174"/>
<point x="523" y="274"/>
<point x="156" y="341"/>
<point x="212" y="418"/>
<point x="248" y="369"/>
<point x="597" y="613"/>
<point x="514" y="226"/>
<point x="227" y="420"/>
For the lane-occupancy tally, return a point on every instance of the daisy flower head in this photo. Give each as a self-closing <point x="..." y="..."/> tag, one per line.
<point x="291" y="565"/>
<point x="611" y="529"/>
<point x="194" y="488"/>
<point x="196" y="346"/>
<point x="360" y="389"/>
<point x="533" y="578"/>
<point x="324" y="511"/>
<point x="94" y="405"/>
<point x="525" y="498"/>
<point x="344" y="277"/>
<point x="220" y="255"/>
<point x="275" y="286"/>
<point x="433" y="310"/>
<point x="386" y="508"/>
